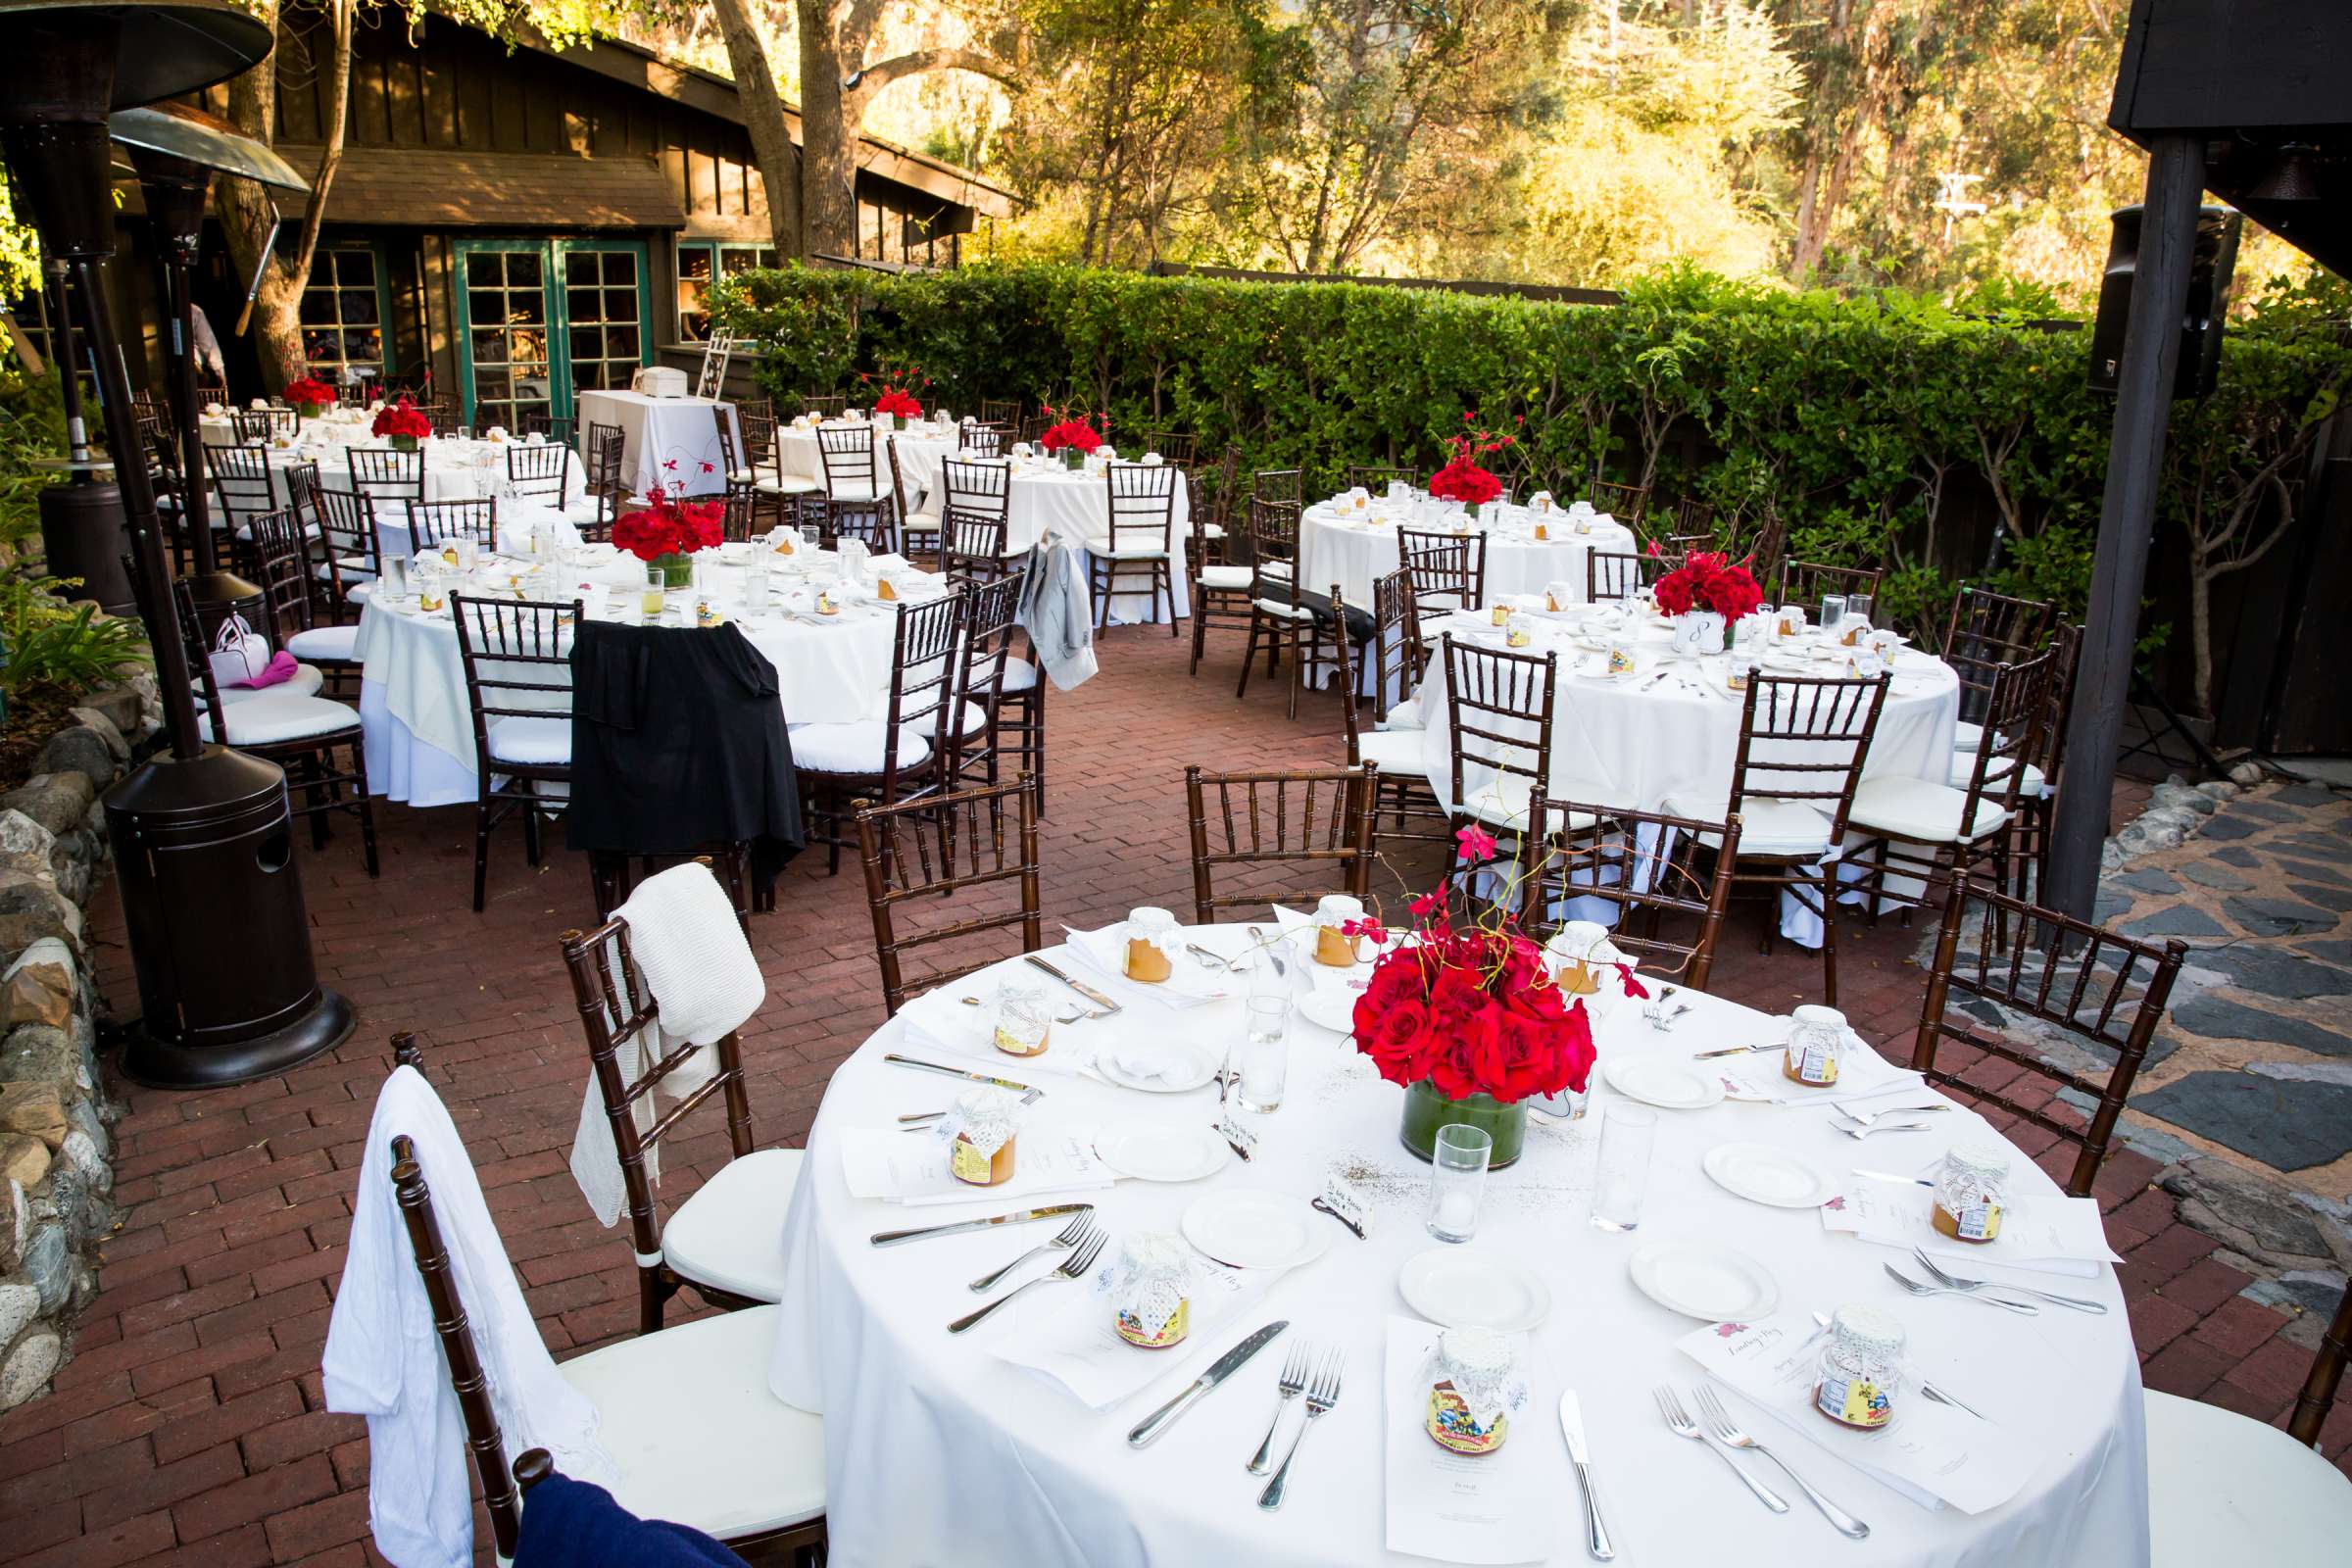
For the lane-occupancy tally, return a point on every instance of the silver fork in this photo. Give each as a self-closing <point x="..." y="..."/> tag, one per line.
<point x="1654" y="1009"/>
<point x="2023" y="1309"/>
<point x="1069" y="1237"/>
<point x="1718" y="1424"/>
<point x="1671" y="1408"/>
<point x="1321" y="1394"/>
<point x="1292" y="1384"/>
<point x="1954" y="1282"/>
<point x="1868" y="1117"/>
<point x="1081" y="1259"/>
<point x="1874" y="1126"/>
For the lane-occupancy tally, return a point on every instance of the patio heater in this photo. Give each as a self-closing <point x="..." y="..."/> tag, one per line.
<point x="202" y="835"/>
<point x="176" y="150"/>
<point x="81" y="522"/>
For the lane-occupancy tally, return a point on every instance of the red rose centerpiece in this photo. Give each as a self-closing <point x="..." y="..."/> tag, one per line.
<point x="402" y="423"/>
<point x="1462" y="478"/>
<point x="309" y="397"/>
<point x="667" y="531"/>
<point x="1706" y="596"/>
<point x="1470" y="1023"/>
<point x="1073" y="438"/>
<point x="897" y="398"/>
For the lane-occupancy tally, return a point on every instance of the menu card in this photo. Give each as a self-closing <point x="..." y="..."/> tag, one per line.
<point x="911" y="1168"/>
<point x="1495" y="1508"/>
<point x="1070" y="1335"/>
<point x="2053" y="1234"/>
<point x="1933" y="1453"/>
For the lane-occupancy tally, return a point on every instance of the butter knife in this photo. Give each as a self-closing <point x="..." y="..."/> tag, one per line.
<point x="1739" y="1050"/>
<point x="1160" y="1420"/>
<point x="1018" y="1217"/>
<point x="1087" y="992"/>
<point x="1571" y="1423"/>
<point x="957" y="1072"/>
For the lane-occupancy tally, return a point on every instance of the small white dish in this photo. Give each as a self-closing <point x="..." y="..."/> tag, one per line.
<point x="1762" y="1174"/>
<point x="1667" y="1085"/>
<point x="1713" y="1284"/>
<point x="1456" y="1287"/>
<point x="1161" y="1067"/>
<point x="1164" y="1153"/>
<point x="1248" y="1227"/>
<point x="1329" y="1009"/>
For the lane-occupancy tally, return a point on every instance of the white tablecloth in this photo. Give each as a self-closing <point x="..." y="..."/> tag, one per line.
<point x="938" y="1453"/>
<point x="923" y="447"/>
<point x="1047" y="498"/>
<point x="420" y="730"/>
<point x="664" y="441"/>
<point x="1357" y="551"/>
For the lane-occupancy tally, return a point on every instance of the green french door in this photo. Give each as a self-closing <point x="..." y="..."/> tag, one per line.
<point x="545" y="319"/>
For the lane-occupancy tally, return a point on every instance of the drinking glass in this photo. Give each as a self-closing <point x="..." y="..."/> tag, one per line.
<point x="1857" y="607"/>
<point x="1457" y="1180"/>
<point x="811" y="536"/>
<point x="1627" y="1133"/>
<point x="656" y="589"/>
<point x="1832" y="610"/>
<point x="1265" y="1055"/>
<point x="465" y="432"/>
<point x="396" y="577"/>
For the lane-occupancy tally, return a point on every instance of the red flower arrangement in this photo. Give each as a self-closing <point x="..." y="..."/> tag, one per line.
<point x="897" y="391"/>
<point x="1076" y="435"/>
<point x="399" y="419"/>
<point x="1462" y="479"/>
<point x="902" y="403"/>
<point x="310" y="394"/>
<point x="669" y="528"/>
<point x="1709" y="581"/>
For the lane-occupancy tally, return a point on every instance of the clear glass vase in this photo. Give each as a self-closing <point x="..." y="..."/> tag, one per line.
<point x="1426" y="1110"/>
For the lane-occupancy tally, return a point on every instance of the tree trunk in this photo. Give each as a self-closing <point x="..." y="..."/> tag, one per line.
<point x="764" y="117"/>
<point x="829" y="123"/>
<point x="2201" y="632"/>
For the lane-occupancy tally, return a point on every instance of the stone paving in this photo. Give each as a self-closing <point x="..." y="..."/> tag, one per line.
<point x="188" y="1426"/>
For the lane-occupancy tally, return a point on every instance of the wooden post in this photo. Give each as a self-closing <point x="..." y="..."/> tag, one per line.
<point x="2167" y="235"/>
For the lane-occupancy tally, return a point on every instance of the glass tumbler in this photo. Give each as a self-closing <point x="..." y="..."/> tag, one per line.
<point x="1457" y="1180"/>
<point x="1859" y="607"/>
<point x="657" y="590"/>
<point x="1626" y="1135"/>
<point x="1832" y="610"/>
<point x="1265" y="1053"/>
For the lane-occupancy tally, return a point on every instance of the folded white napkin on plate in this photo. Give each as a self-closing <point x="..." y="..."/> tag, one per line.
<point x="937" y="1023"/>
<point x="1862" y="1075"/>
<point x="2051" y="1234"/>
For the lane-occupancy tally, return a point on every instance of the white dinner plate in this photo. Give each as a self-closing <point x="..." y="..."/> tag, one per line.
<point x="1164" y="1153"/>
<point x="1248" y="1228"/>
<point x="1332" y="1010"/>
<point x="1765" y="1175"/>
<point x="1699" y="1280"/>
<point x="1458" y="1288"/>
<point x="1157" y="1067"/>
<point x="1668" y="1085"/>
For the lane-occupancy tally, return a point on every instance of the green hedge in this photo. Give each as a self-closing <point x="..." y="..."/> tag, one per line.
<point x="1854" y="423"/>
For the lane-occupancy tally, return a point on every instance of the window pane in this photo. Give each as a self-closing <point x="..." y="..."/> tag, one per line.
<point x="522" y="269"/>
<point x="736" y="258"/>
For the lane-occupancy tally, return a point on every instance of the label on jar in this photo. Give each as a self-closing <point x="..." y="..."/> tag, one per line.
<point x="1978" y="1221"/>
<point x="1815" y="1065"/>
<point x="1856" y="1402"/>
<point x="967" y="1164"/>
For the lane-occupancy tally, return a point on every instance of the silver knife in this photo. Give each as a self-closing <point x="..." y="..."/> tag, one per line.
<point x="1571" y="1423"/>
<point x="1079" y="986"/>
<point x="957" y="1072"/>
<point x="1160" y="1420"/>
<point x="1890" y="1176"/>
<point x="1021" y="1217"/>
<point x="1738" y="1050"/>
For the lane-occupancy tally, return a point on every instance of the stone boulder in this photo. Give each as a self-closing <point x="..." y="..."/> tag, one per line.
<point x="78" y="749"/>
<point x="58" y="801"/>
<point x="39" y="987"/>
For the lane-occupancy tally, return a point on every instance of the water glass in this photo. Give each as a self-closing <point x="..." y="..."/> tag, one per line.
<point x="396" y="577"/>
<point x="1832" y="610"/>
<point x="657" y="590"/>
<point x="1265" y="1055"/>
<point x="465" y="432"/>
<point x="1857" y="607"/>
<point x="1457" y="1180"/>
<point x="811" y="536"/>
<point x="1627" y="1134"/>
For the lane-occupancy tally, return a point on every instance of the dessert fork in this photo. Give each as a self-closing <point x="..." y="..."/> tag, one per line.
<point x="1874" y="1126"/>
<point x="1082" y="1257"/>
<point x="1069" y="1236"/>
<point x="1670" y="1405"/>
<point x="1866" y="1117"/>
<point x="1954" y="1282"/>
<point x="1291" y="1385"/>
<point x="1719" y="1423"/>
<point x="2023" y="1309"/>
<point x="1321" y="1394"/>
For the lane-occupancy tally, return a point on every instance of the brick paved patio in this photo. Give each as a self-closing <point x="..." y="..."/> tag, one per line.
<point x="188" y="1428"/>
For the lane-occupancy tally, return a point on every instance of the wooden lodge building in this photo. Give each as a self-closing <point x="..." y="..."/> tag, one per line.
<point x="517" y="227"/>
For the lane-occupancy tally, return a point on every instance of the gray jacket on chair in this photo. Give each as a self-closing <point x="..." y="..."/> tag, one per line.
<point x="1057" y="612"/>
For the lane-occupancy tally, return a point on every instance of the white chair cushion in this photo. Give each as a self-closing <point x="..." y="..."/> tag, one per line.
<point x="1967" y="737"/>
<point x="1393" y="751"/>
<point x="1131" y="553"/>
<point x="1964" y="764"/>
<point x="543" y="742"/>
<point x="919" y="523"/>
<point x="687" y="1416"/>
<point x="854" y="491"/>
<point x="332" y="643"/>
<point x="1277" y="568"/>
<point x="281" y="718"/>
<point x="1019" y="676"/>
<point x="790" y="486"/>
<point x="1228" y="577"/>
<point x="1766" y="826"/>
<point x="854" y="748"/>
<point x="304" y="683"/>
<point x="731" y="1232"/>
<point x="1275" y="606"/>
<point x="1927" y="813"/>
<point x="2223" y="1487"/>
<point x="1213" y="530"/>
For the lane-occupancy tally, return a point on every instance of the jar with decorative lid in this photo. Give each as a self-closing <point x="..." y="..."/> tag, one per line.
<point x="1151" y="1291"/>
<point x="982" y="1128"/>
<point x="1861" y="1368"/>
<point x="1333" y="946"/>
<point x="1471" y="1390"/>
<point x="1971" y="1192"/>
<point x="1816" y="1040"/>
<point x="1151" y="941"/>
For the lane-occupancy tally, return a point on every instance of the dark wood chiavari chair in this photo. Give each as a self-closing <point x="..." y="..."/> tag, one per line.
<point x="1695" y="526"/>
<point x="1140" y="558"/>
<point x="982" y="441"/>
<point x="352" y="548"/>
<point x="1806" y="583"/>
<point x="1173" y="446"/>
<point x="1221" y="591"/>
<point x="1278" y="484"/>
<point x="607" y="448"/>
<point x="388" y="475"/>
<point x="517" y="654"/>
<point x="1402" y="793"/>
<point x="1614" y="575"/>
<point x="681" y="1380"/>
<point x="1802" y="744"/>
<point x="277" y="558"/>
<point x="920" y="533"/>
<point x="2071" y="977"/>
<point x="1626" y="502"/>
<point x="301" y="734"/>
<point x="559" y="430"/>
<point x="1763" y="549"/>
<point x="1399" y="656"/>
<point x="1280" y="613"/>
<point x="1447" y="570"/>
<point x="1643" y="862"/>
<point x="1228" y="497"/>
<point x="1985" y="632"/>
<point x="1376" y="478"/>
<point x="240" y="483"/>
<point x="719" y="1241"/>
<point x="857" y="505"/>
<point x="974" y="517"/>
<point x="825" y="405"/>
<point x="1000" y="411"/>
<point x="539" y="472"/>
<point x="1315" y="823"/>
<point x="1498" y="708"/>
<point x="918" y="852"/>
<point x="904" y="757"/>
<point x="1034" y="428"/>
<point x="2037" y="796"/>
<point x="988" y="638"/>
<point x="730" y="461"/>
<point x="258" y="425"/>
<point x="435" y="523"/>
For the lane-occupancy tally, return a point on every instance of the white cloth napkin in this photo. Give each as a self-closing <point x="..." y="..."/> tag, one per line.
<point x="939" y="1024"/>
<point x="383" y="1358"/>
<point x="2050" y="1234"/>
<point x="1104" y="955"/>
<point x="1862" y="1075"/>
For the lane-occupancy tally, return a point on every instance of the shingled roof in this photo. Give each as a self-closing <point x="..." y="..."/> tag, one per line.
<point x="449" y="190"/>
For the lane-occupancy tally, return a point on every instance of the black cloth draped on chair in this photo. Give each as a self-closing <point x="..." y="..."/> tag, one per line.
<point x="677" y="744"/>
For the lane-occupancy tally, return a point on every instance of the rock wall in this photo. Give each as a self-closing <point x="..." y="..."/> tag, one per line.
<point x="56" y="1179"/>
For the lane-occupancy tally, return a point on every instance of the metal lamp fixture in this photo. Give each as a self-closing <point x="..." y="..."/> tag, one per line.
<point x="202" y="835"/>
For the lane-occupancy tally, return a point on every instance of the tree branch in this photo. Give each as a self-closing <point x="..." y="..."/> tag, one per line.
<point x="874" y="77"/>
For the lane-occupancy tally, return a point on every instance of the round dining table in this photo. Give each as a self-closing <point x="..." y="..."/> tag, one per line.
<point x="945" y="1447"/>
<point x="1358" y="546"/>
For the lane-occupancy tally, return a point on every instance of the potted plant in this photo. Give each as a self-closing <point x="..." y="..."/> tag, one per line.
<point x="1075" y="439"/>
<point x="1470" y="1020"/>
<point x="1706" y="597"/>
<point x="1462" y="478"/>
<point x="668" y="530"/>
<point x="402" y="423"/>
<point x="309" y="397"/>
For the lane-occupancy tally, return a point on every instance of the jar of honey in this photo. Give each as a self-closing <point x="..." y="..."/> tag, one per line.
<point x="1023" y="1021"/>
<point x="1815" y="1043"/>
<point x="1500" y="614"/>
<point x="1151" y="935"/>
<point x="1971" y="1191"/>
<point x="1860" y="1369"/>
<point x="1150" y="1293"/>
<point x="984" y="1128"/>
<point x="1469" y="1398"/>
<point x="1333" y="947"/>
